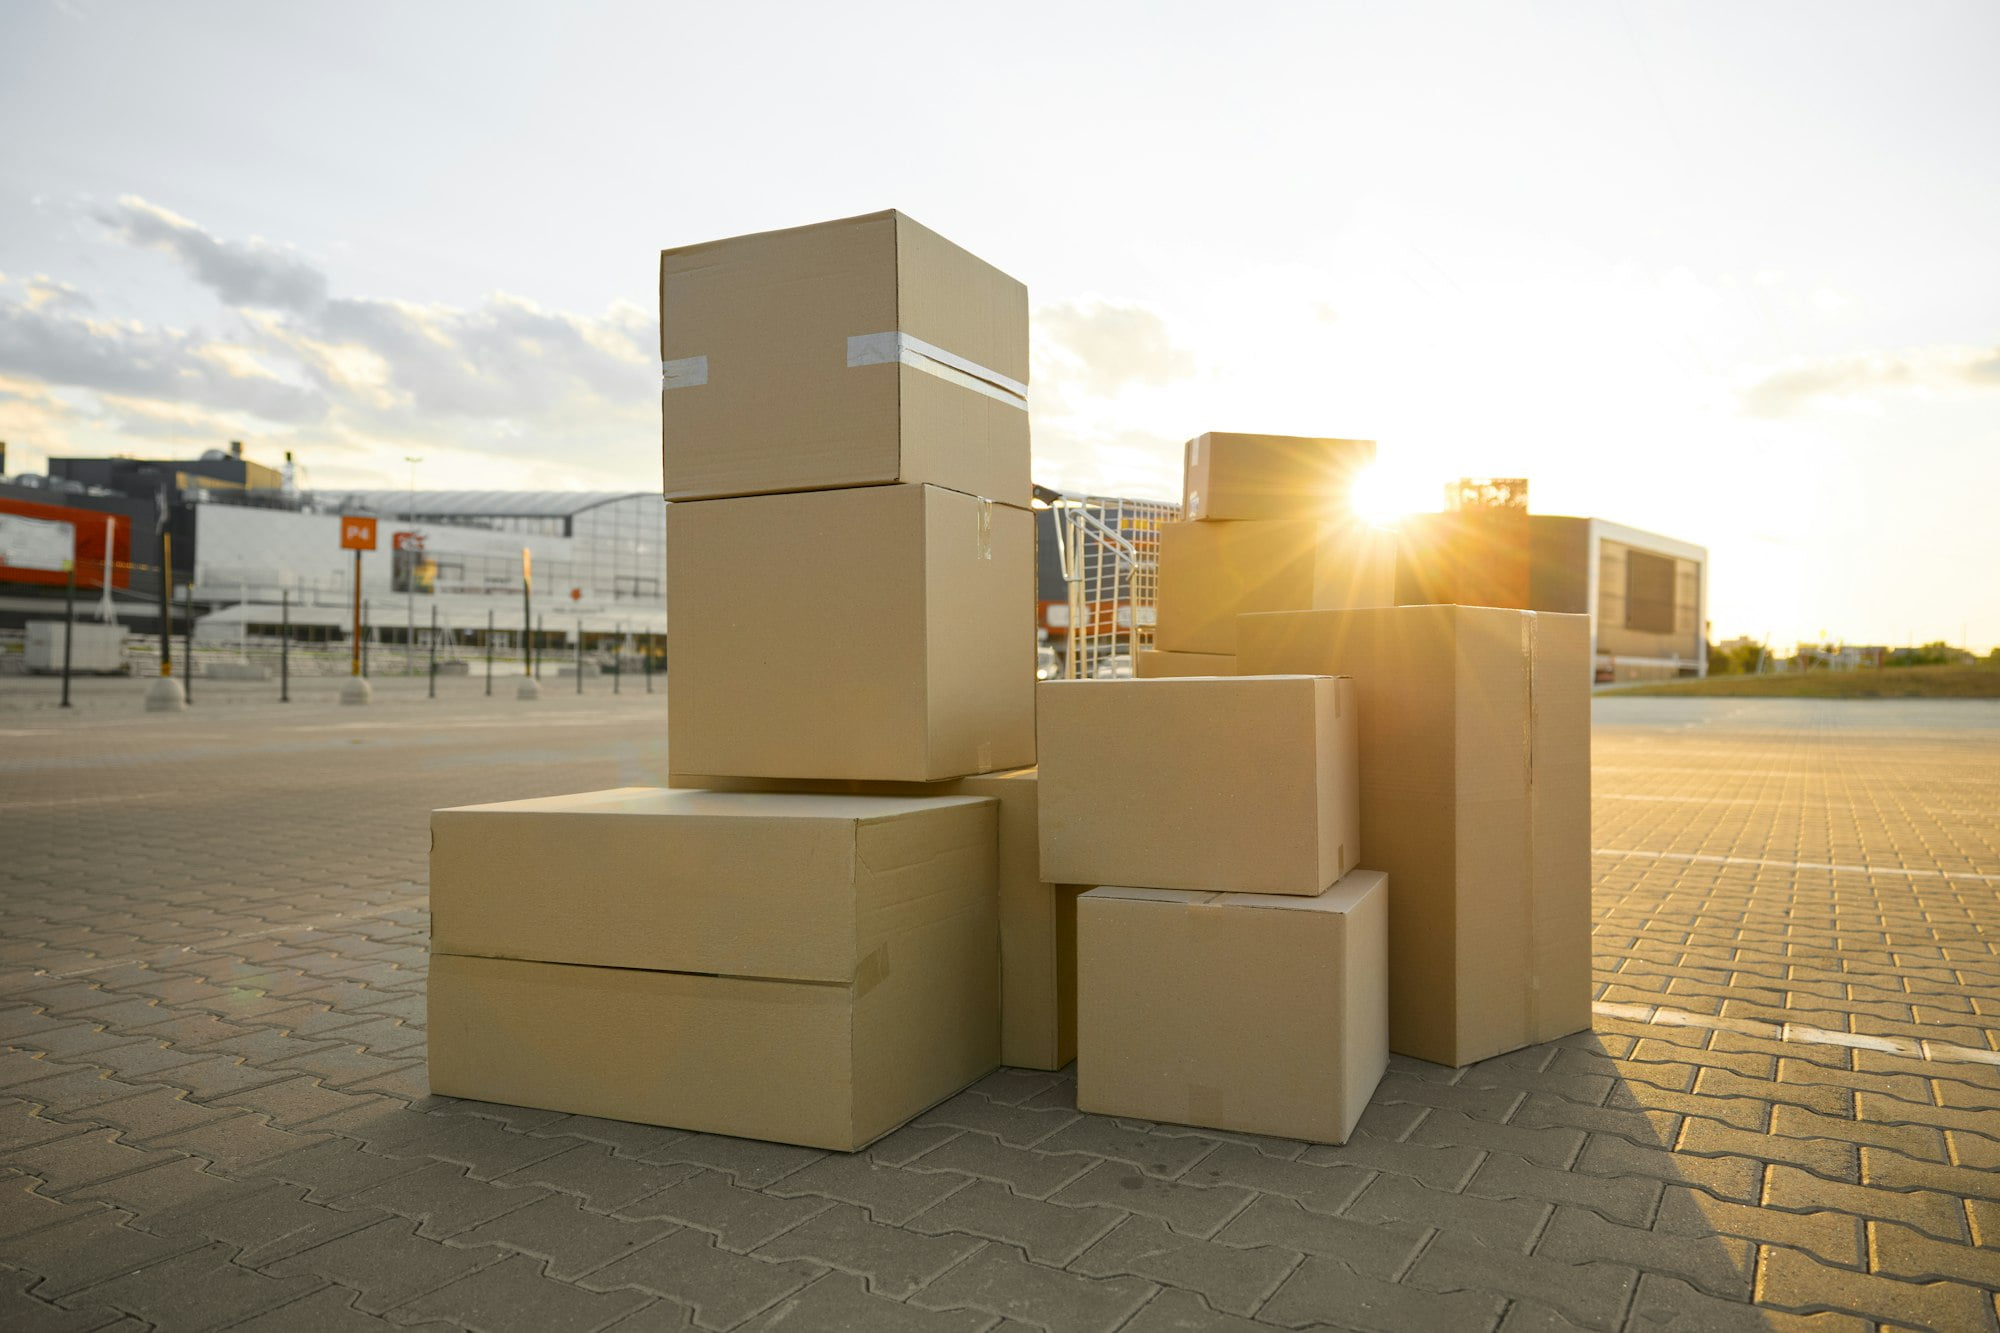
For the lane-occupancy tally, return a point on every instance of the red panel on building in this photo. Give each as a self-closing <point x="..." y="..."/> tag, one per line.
<point x="90" y="553"/>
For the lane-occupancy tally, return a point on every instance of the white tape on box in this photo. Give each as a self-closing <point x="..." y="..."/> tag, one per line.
<point x="685" y="373"/>
<point x="880" y="349"/>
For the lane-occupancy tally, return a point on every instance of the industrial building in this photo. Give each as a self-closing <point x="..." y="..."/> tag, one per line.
<point x="252" y="552"/>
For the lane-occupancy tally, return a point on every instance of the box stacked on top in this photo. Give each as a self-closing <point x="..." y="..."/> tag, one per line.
<point x="850" y="566"/>
<point x="1267" y="526"/>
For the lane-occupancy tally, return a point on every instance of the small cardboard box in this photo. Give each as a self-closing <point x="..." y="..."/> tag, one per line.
<point x="1154" y="664"/>
<point x="1212" y="572"/>
<point x="882" y="632"/>
<point x="808" y="969"/>
<point x="1245" y="1012"/>
<point x="1215" y="784"/>
<point x="1037" y="919"/>
<point x="1271" y="476"/>
<point x="859" y="352"/>
<point x="1475" y="798"/>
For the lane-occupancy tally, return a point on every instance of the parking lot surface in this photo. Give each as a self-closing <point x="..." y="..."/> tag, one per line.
<point x="213" y="1109"/>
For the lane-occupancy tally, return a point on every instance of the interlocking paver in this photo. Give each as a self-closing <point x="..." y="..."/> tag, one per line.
<point x="236" y="1007"/>
<point x="723" y="1288"/>
<point x="889" y="1193"/>
<point x="999" y="1281"/>
<point x="203" y="1288"/>
<point x="1234" y="1277"/>
<point x="1794" y="1280"/>
<point x="1192" y="1210"/>
<point x="841" y="1301"/>
<point x="894" y="1260"/>
<point x="514" y="1294"/>
<point x="1326" y="1292"/>
<point x="1048" y="1233"/>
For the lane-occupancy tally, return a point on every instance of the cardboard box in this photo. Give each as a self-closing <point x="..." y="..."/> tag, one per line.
<point x="1475" y="798"/>
<point x="1271" y="476"/>
<point x="882" y="632"/>
<point x="1154" y="664"/>
<point x="1215" y="784"/>
<point x="1210" y="573"/>
<point x="1037" y="919"/>
<point x="859" y="352"/>
<point x="808" y="969"/>
<point x="1245" y="1012"/>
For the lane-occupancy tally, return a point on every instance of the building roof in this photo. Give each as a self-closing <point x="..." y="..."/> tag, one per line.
<point x="478" y="504"/>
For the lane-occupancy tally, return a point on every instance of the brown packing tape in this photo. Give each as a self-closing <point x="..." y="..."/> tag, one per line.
<point x="1205" y="1104"/>
<point x="871" y="971"/>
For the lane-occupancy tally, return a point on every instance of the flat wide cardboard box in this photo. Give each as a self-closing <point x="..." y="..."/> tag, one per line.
<point x="1271" y="476"/>
<point x="797" y="887"/>
<point x="1215" y="784"/>
<point x="883" y="633"/>
<point x="1037" y="919"/>
<point x="1210" y="573"/>
<point x="852" y="353"/>
<point x="807" y="969"/>
<point x="1154" y="664"/>
<point x="1475" y="798"/>
<point x="1244" y="1012"/>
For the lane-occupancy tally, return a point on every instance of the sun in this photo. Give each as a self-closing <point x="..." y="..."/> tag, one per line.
<point x="1373" y="497"/>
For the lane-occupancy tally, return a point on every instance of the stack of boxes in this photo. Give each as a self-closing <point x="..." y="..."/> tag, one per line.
<point x="810" y="952"/>
<point x="855" y="896"/>
<point x="1266" y="527"/>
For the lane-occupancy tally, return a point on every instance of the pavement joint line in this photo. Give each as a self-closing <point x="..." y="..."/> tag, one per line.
<point x="106" y="964"/>
<point x="1914" y="1048"/>
<point x="1708" y="858"/>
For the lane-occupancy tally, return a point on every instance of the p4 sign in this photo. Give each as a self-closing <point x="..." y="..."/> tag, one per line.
<point x="357" y="534"/>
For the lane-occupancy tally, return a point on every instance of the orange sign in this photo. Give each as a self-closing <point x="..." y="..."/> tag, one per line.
<point x="357" y="534"/>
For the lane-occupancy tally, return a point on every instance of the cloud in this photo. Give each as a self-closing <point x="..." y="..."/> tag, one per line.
<point x="1102" y="346"/>
<point x="242" y="273"/>
<point x="296" y="365"/>
<point x="1863" y="378"/>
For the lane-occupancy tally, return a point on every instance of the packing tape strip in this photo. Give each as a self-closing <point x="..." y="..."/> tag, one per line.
<point x="686" y="373"/>
<point x="881" y="349"/>
<point x="984" y="537"/>
<point x="984" y="757"/>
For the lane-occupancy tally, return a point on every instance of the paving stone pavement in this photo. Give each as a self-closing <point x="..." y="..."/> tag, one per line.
<point x="213" y="1109"/>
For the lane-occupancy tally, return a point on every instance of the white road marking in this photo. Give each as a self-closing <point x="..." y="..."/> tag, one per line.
<point x="1913" y="1048"/>
<point x="1707" y="859"/>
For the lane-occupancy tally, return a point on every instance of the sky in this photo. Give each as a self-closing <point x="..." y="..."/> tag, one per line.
<point x="1726" y="272"/>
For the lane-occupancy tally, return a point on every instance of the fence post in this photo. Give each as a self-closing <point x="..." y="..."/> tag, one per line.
<point x="617" y="657"/>
<point x="285" y="646"/>
<point x="489" y="653"/>
<point x="646" y="661"/>
<point x="434" y="651"/>
<point x="533" y="655"/>
<point x="187" y="646"/>
<point x="364" y="637"/>
<point x="579" y="656"/>
<point x="69" y="622"/>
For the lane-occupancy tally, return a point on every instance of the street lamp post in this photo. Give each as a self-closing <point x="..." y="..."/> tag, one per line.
<point x="408" y="561"/>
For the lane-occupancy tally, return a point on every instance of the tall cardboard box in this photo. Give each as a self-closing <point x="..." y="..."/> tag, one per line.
<point x="880" y="632"/>
<point x="1475" y="798"/>
<point x="1037" y="931"/>
<point x="1152" y="664"/>
<point x="1271" y="476"/>
<point x="852" y="353"/>
<point x="1246" y="1012"/>
<point x="1037" y="919"/>
<point x="1212" y="572"/>
<point x="1243" y="785"/>
<point x="807" y="969"/>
